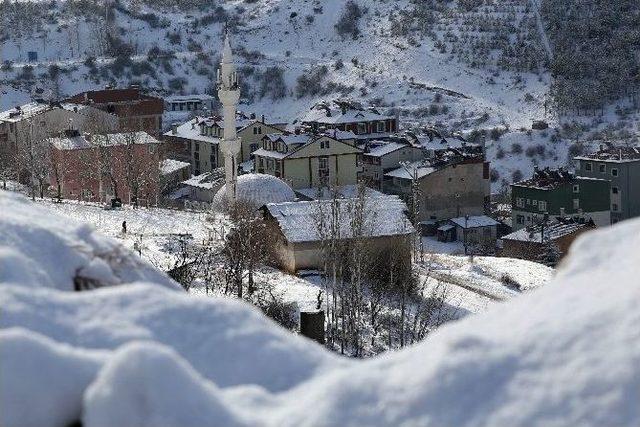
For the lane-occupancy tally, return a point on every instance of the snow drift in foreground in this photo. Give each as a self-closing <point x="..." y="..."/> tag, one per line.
<point x="39" y="249"/>
<point x="142" y="355"/>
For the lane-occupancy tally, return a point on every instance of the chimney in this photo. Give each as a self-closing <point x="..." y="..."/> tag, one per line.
<point x="312" y="325"/>
<point x="174" y="129"/>
<point x="262" y="118"/>
<point x="86" y="97"/>
<point x="562" y="214"/>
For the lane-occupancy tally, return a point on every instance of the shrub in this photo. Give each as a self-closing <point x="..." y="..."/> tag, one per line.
<point x="516" y="148"/>
<point x="310" y="83"/>
<point x="347" y="25"/>
<point x="500" y="153"/>
<point x="516" y="175"/>
<point x="272" y="83"/>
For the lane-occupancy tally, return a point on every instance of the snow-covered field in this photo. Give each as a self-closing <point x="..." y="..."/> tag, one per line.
<point x="150" y="354"/>
<point x="472" y="283"/>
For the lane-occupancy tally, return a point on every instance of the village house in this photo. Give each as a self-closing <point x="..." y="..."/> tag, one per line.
<point x="298" y="240"/>
<point x="200" y="137"/>
<point x="203" y="187"/>
<point x="380" y="157"/>
<point x="36" y="121"/>
<point x="472" y="231"/>
<point x="350" y="116"/>
<point x="308" y="160"/>
<point x="190" y="103"/>
<point x="136" y="110"/>
<point x="99" y="168"/>
<point x="560" y="193"/>
<point x="448" y="185"/>
<point x="172" y="173"/>
<point x="545" y="241"/>
<point x="621" y="166"/>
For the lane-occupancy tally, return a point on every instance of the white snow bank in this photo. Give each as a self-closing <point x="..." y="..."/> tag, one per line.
<point x="224" y="339"/>
<point x="41" y="249"/>
<point x="41" y="381"/>
<point x="147" y="384"/>
<point x="565" y="354"/>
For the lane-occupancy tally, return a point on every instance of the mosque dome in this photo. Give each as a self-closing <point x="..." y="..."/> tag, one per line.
<point x="257" y="189"/>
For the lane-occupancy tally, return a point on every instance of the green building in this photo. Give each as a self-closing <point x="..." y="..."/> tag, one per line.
<point x="561" y="194"/>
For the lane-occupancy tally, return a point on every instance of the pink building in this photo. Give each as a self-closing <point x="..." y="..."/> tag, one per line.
<point x="99" y="168"/>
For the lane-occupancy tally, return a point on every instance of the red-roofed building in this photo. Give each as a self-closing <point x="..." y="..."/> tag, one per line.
<point x="136" y="110"/>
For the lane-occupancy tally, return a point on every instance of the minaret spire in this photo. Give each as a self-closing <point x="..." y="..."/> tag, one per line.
<point x="229" y="94"/>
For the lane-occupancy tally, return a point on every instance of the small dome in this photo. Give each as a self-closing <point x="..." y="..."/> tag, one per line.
<point x="257" y="189"/>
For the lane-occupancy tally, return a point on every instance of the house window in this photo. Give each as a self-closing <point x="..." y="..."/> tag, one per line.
<point x="197" y="146"/>
<point x="535" y="203"/>
<point x="323" y="163"/>
<point x="253" y="147"/>
<point x="603" y="168"/>
<point x="542" y="206"/>
<point x="260" y="130"/>
<point x="381" y="127"/>
<point x="576" y="188"/>
<point x="614" y="190"/>
<point x="576" y="203"/>
<point x="87" y="194"/>
<point x="614" y="172"/>
<point x="528" y="201"/>
<point x="255" y="131"/>
<point x="152" y="148"/>
<point x="614" y="207"/>
<point x="362" y="128"/>
<point x="260" y="162"/>
<point x="520" y="219"/>
<point x="520" y="202"/>
<point x="588" y="167"/>
<point x="324" y="144"/>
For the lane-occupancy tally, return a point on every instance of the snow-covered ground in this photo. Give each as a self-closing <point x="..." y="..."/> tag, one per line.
<point x="471" y="283"/>
<point x="150" y="354"/>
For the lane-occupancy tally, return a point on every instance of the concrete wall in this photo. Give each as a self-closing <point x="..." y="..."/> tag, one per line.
<point x="453" y="191"/>
<point x="626" y="203"/>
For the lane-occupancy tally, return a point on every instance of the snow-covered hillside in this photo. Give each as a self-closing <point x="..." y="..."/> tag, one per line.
<point x="145" y="354"/>
<point x="461" y="66"/>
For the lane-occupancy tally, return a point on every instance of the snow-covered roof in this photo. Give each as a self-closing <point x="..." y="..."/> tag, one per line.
<point x="113" y="139"/>
<point x="191" y="130"/>
<point x="439" y="144"/>
<point x="552" y="231"/>
<point x="207" y="180"/>
<point x="380" y="149"/>
<point x="169" y="166"/>
<point x="258" y="190"/>
<point x="293" y="138"/>
<point x="344" y="192"/>
<point x="385" y="216"/>
<point x="24" y="111"/>
<point x="270" y="153"/>
<point x="418" y="169"/>
<point x="340" y="135"/>
<point x="474" y="221"/>
<point x="337" y="116"/>
<point x="189" y="98"/>
<point x="614" y="154"/>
